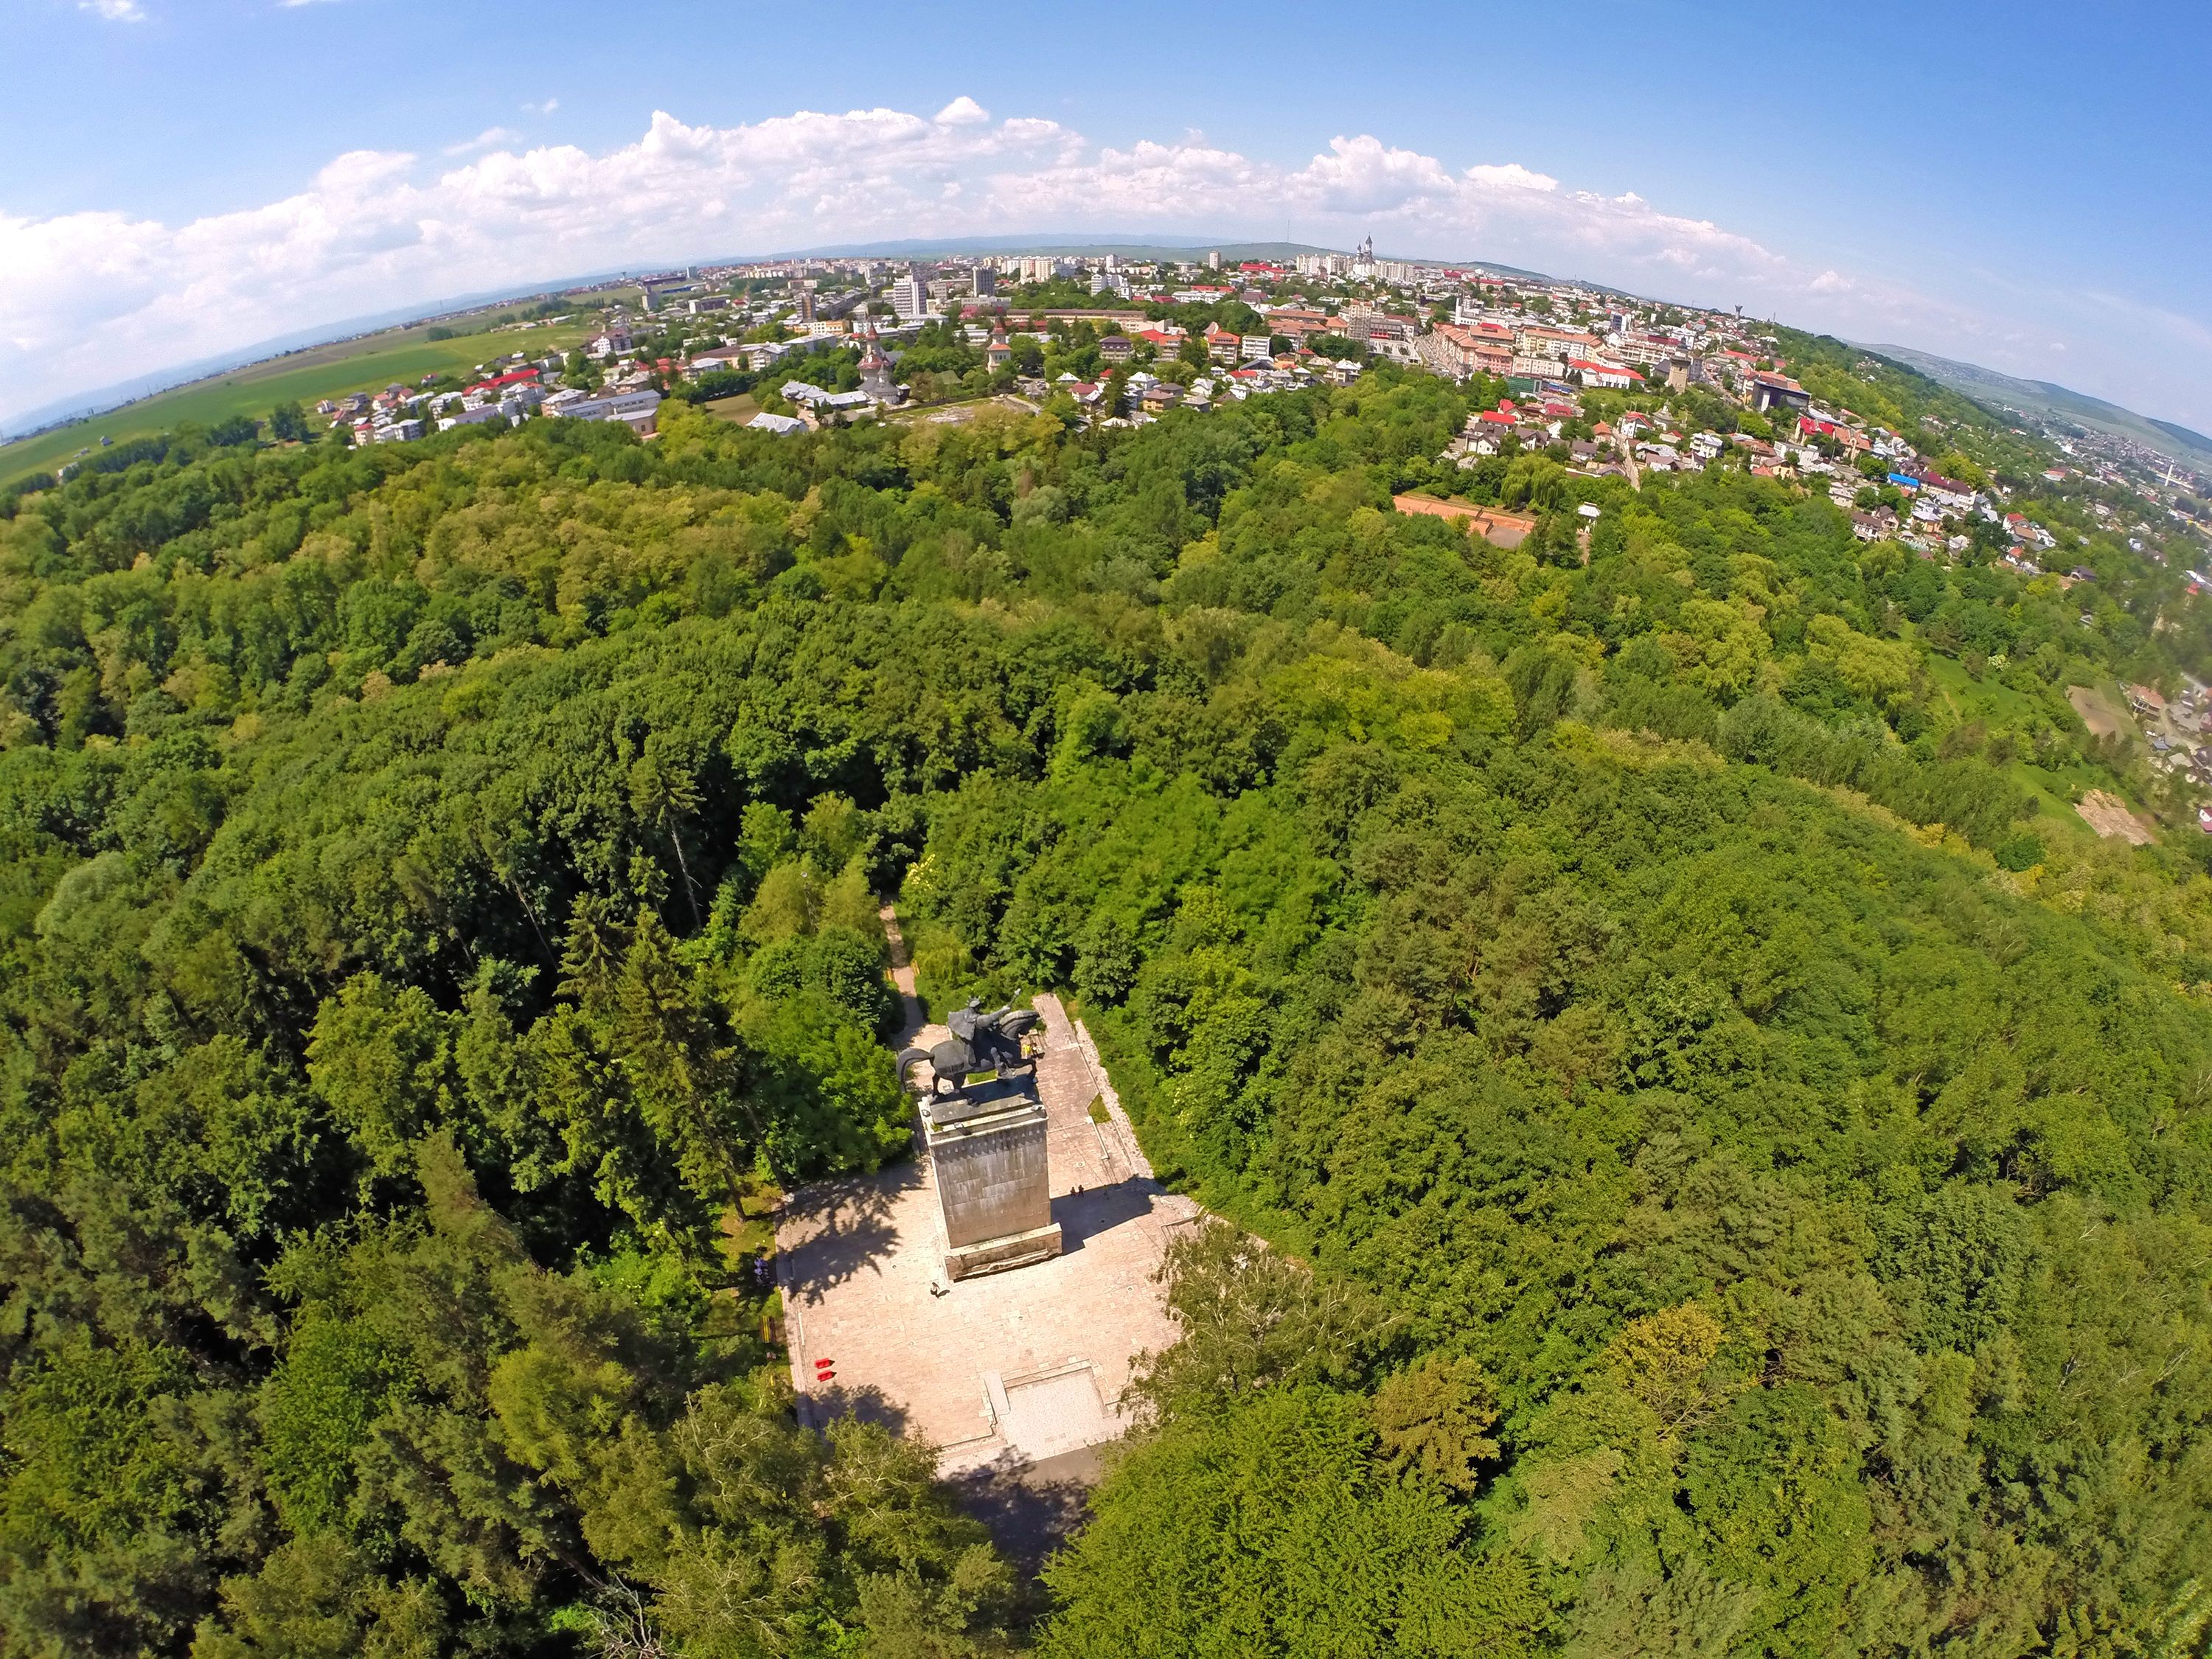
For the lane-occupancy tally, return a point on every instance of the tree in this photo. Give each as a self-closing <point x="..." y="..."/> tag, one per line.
<point x="1270" y="1528"/>
<point x="379" y="1057"/>
<point x="1714" y="1165"/>
<point x="1434" y="1417"/>
<point x="685" y="1071"/>
<point x="663" y="795"/>
<point x="1251" y="1321"/>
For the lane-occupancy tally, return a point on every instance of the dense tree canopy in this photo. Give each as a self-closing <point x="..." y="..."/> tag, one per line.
<point x="1735" y="1156"/>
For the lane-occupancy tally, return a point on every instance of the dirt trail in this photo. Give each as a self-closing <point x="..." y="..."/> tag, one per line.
<point x="902" y="976"/>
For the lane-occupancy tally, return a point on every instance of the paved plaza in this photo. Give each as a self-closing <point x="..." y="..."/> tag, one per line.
<point x="1012" y="1369"/>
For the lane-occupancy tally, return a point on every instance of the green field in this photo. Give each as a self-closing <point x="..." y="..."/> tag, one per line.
<point x="370" y="363"/>
<point x="739" y="408"/>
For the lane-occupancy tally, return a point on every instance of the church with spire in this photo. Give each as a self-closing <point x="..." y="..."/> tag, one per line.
<point x="876" y="369"/>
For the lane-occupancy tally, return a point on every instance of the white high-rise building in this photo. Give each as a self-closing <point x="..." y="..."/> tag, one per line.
<point x="908" y="298"/>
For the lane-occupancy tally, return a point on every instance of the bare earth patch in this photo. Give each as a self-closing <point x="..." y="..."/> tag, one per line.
<point x="2099" y="715"/>
<point x="2108" y="814"/>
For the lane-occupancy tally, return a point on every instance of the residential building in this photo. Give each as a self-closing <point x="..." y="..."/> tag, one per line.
<point x="636" y="410"/>
<point x="1768" y="389"/>
<point x="1376" y="326"/>
<point x="1648" y="351"/>
<point x="1535" y="340"/>
<point x="1612" y="376"/>
<point x="807" y="395"/>
<point x="1452" y="349"/>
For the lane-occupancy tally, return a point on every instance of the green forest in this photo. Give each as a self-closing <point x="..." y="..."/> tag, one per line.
<point x="1717" y="1157"/>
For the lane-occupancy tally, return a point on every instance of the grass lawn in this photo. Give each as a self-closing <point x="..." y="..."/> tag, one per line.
<point x="369" y="363"/>
<point x="739" y="408"/>
<point x="1986" y="699"/>
<point x="750" y="1304"/>
<point x="2055" y="790"/>
<point x="957" y="412"/>
<point x="754" y="1234"/>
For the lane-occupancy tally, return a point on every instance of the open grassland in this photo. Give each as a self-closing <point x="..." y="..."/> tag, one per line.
<point x="370" y="363"/>
<point x="739" y="408"/>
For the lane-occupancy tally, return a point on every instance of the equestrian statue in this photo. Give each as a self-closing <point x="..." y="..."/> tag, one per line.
<point x="978" y="1042"/>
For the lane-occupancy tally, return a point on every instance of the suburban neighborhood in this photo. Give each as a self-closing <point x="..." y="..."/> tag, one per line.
<point x="1607" y="389"/>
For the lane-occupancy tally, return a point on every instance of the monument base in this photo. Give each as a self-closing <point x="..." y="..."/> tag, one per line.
<point x="997" y="1254"/>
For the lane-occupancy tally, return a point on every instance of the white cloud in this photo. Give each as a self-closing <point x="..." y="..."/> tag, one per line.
<point x="1512" y="175"/>
<point x="88" y="298"/>
<point x="115" y="11"/>
<point x="545" y="106"/>
<point x="489" y="138"/>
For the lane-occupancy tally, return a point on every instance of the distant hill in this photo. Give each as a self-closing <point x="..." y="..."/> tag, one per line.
<point x="87" y="406"/>
<point x="1986" y="385"/>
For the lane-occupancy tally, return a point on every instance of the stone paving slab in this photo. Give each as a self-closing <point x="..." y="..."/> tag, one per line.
<point x="1012" y="1367"/>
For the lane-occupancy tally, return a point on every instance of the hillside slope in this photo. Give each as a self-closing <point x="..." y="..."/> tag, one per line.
<point x="1986" y="385"/>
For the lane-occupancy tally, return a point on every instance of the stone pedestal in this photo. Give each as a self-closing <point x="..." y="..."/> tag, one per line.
<point x="986" y="1148"/>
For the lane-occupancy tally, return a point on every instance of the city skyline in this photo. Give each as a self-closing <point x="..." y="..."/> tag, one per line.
<point x="2014" y="211"/>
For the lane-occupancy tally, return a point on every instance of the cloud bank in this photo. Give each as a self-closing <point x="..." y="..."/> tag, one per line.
<point x="88" y="299"/>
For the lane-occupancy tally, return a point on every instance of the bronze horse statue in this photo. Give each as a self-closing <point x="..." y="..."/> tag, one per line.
<point x="978" y="1042"/>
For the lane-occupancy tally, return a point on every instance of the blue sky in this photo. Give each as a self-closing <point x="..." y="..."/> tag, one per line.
<point x="2022" y="185"/>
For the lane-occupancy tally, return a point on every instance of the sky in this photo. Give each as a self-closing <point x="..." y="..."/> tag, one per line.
<point x="2023" y="184"/>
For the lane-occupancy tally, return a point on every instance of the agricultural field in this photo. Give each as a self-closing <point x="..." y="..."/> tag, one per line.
<point x="303" y="377"/>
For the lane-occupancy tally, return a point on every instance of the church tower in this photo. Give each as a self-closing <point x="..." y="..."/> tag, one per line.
<point x="876" y="370"/>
